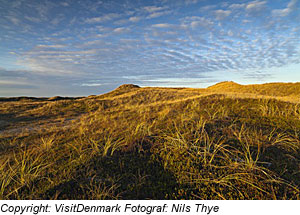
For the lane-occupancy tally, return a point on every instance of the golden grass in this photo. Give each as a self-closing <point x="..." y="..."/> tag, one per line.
<point x="226" y="142"/>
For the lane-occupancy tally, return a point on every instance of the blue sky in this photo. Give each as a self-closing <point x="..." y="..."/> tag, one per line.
<point x="83" y="47"/>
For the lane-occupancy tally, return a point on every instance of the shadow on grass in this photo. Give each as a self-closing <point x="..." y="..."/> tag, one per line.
<point x="133" y="175"/>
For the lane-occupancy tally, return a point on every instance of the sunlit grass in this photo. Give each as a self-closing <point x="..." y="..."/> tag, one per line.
<point x="152" y="143"/>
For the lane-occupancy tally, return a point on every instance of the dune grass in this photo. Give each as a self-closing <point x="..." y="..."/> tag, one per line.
<point x="152" y="143"/>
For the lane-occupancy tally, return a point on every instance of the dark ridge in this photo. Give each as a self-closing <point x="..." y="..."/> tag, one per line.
<point x="36" y="99"/>
<point x="21" y="98"/>
<point x="58" y="98"/>
<point x="128" y="87"/>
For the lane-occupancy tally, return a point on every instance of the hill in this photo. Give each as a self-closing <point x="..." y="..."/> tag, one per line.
<point x="228" y="141"/>
<point x="288" y="91"/>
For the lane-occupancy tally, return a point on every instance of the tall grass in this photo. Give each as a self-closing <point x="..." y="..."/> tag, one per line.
<point x="172" y="143"/>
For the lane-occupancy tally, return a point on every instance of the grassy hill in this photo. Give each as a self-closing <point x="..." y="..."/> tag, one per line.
<point x="228" y="141"/>
<point x="284" y="91"/>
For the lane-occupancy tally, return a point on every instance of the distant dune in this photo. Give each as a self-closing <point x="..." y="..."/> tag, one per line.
<point x="285" y="91"/>
<point x="291" y="90"/>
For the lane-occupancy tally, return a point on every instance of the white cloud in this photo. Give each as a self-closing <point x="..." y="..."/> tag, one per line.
<point x="33" y="19"/>
<point x="14" y="82"/>
<point x="195" y="24"/>
<point x="162" y="25"/>
<point x="57" y="19"/>
<point x="102" y="28"/>
<point x="43" y="9"/>
<point x="51" y="46"/>
<point x="207" y="8"/>
<point x="188" y="2"/>
<point x="104" y="18"/>
<point x="121" y="30"/>
<point x="14" y="20"/>
<point x="152" y="9"/>
<point x="91" y="85"/>
<point x="121" y="22"/>
<point x="196" y="21"/>
<point x="230" y="33"/>
<point x="281" y="12"/>
<point x="135" y="18"/>
<point x="222" y="14"/>
<point x="246" y="21"/>
<point x="292" y="5"/>
<point x="55" y="52"/>
<point x="65" y="4"/>
<point x="155" y="11"/>
<point x="158" y="14"/>
<point x="236" y="6"/>
<point x="256" y="6"/>
<point x="91" y="43"/>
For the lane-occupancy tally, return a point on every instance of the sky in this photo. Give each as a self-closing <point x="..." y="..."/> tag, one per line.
<point x="89" y="47"/>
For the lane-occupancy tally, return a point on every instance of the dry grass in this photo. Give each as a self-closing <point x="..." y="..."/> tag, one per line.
<point x="154" y="143"/>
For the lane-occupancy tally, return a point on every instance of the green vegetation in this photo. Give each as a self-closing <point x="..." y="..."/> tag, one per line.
<point x="154" y="143"/>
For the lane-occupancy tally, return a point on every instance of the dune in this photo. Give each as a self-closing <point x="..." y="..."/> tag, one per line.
<point x="227" y="141"/>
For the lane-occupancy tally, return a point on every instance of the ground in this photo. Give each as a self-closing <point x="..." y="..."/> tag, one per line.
<point x="228" y="141"/>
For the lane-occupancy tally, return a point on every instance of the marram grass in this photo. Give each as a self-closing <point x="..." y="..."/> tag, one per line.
<point x="154" y="143"/>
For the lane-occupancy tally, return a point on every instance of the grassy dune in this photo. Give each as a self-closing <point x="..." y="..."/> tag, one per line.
<point x="281" y="91"/>
<point x="228" y="141"/>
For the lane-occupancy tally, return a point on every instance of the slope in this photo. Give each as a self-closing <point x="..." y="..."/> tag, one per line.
<point x="151" y="143"/>
<point x="289" y="91"/>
